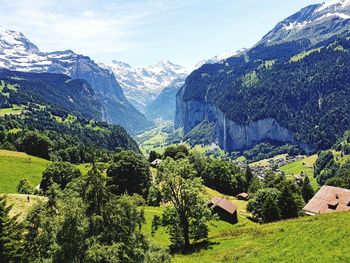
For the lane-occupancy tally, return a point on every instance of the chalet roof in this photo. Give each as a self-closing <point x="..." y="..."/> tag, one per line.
<point x="329" y="199"/>
<point x="156" y="162"/>
<point x="243" y="195"/>
<point x="224" y="204"/>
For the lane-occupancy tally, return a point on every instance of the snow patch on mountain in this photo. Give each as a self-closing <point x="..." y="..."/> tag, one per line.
<point x="333" y="3"/>
<point x="218" y="58"/>
<point x="340" y="15"/>
<point x="295" y="25"/>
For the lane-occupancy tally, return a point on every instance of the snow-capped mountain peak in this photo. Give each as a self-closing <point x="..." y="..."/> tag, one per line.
<point x="314" y="23"/>
<point x="143" y="85"/>
<point x="17" y="53"/>
<point x="16" y="41"/>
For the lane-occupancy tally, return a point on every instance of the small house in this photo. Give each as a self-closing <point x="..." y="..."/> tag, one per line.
<point x="226" y="210"/>
<point x="156" y="162"/>
<point x="243" y="196"/>
<point x="329" y="199"/>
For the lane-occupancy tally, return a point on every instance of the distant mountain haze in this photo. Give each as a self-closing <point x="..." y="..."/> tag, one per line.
<point x="141" y="86"/>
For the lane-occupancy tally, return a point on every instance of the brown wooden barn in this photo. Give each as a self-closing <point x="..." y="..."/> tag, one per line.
<point x="226" y="210"/>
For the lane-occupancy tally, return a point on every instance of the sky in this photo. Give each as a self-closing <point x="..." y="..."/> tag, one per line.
<point x="143" y="32"/>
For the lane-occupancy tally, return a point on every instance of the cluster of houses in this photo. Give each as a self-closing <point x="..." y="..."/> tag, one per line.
<point x="272" y="164"/>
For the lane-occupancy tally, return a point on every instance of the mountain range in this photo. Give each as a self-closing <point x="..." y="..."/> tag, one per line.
<point x="17" y="53"/>
<point x="141" y="86"/>
<point x="289" y="88"/>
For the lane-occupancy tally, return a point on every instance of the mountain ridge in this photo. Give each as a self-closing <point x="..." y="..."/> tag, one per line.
<point x="20" y="54"/>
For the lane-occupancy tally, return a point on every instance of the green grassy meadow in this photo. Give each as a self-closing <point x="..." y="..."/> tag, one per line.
<point x="15" y="110"/>
<point x="16" y="166"/>
<point x="154" y="139"/>
<point x="322" y="238"/>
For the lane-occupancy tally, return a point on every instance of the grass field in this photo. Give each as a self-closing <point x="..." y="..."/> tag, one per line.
<point x="15" y="110"/>
<point x="21" y="205"/>
<point x="16" y="166"/>
<point x="154" y="139"/>
<point x="322" y="238"/>
<point x="215" y="227"/>
<point x="304" y="165"/>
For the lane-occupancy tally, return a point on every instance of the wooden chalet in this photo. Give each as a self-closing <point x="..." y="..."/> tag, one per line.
<point x="329" y="199"/>
<point x="226" y="210"/>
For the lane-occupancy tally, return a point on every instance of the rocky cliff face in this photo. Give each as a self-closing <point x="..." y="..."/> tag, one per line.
<point x="228" y="134"/>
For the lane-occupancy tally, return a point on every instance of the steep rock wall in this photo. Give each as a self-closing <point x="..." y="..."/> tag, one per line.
<point x="229" y="134"/>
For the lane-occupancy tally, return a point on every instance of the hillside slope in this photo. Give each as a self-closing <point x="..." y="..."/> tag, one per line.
<point x="16" y="166"/>
<point x="286" y="96"/>
<point x="322" y="238"/>
<point x="57" y="90"/>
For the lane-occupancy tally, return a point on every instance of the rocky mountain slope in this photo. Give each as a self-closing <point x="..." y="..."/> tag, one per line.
<point x="313" y="24"/>
<point x="164" y="105"/>
<point x="19" y="54"/>
<point x="281" y="89"/>
<point x="142" y="85"/>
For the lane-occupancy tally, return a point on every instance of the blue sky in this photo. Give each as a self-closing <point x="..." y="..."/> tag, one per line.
<point x="143" y="32"/>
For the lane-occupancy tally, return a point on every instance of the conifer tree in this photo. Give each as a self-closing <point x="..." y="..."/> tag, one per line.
<point x="306" y="190"/>
<point x="10" y="237"/>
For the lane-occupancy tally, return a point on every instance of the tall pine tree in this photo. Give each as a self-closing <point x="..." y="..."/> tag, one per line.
<point x="10" y="236"/>
<point x="306" y="190"/>
<point x="287" y="203"/>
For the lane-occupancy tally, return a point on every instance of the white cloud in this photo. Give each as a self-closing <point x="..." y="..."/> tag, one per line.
<point x="88" y="13"/>
<point x="86" y="26"/>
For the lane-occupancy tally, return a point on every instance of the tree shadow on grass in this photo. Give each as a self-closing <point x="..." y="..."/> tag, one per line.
<point x="196" y="247"/>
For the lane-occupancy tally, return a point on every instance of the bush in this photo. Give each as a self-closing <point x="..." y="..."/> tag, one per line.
<point x="129" y="173"/>
<point x="25" y="187"/>
<point x="59" y="173"/>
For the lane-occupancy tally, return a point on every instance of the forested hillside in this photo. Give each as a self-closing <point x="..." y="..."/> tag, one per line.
<point x="55" y="90"/>
<point x="302" y="92"/>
